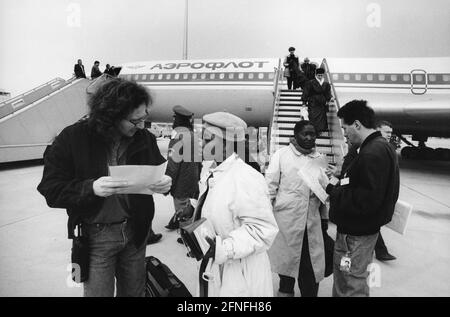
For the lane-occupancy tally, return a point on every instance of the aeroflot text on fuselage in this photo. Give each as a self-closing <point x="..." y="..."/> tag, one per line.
<point x="207" y="66"/>
<point x="210" y="65"/>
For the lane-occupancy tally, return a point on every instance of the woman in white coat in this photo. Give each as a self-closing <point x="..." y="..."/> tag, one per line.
<point x="238" y="206"/>
<point x="298" y="249"/>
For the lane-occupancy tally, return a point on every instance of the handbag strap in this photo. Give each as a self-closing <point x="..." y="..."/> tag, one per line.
<point x="201" y="201"/>
<point x="203" y="285"/>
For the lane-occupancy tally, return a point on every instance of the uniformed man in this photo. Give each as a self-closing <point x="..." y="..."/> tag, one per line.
<point x="183" y="164"/>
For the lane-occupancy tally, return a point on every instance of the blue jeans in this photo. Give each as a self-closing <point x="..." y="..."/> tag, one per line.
<point x="113" y="255"/>
<point x="360" y="250"/>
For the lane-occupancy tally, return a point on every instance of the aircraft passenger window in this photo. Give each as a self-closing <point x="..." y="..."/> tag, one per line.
<point x="271" y="76"/>
<point x="381" y="77"/>
<point x="212" y="76"/>
<point x="129" y="77"/>
<point x="347" y="77"/>
<point x="152" y="77"/>
<point x="222" y="76"/>
<point x="446" y="77"/>
<point x="406" y="78"/>
<point x="261" y="76"/>
<point x="241" y="76"/>
<point x="160" y="76"/>
<point x="203" y="76"/>
<point x="194" y="76"/>
<point x="335" y="76"/>
<point x="369" y="77"/>
<point x="136" y="77"/>
<point x="177" y="76"/>
<point x="230" y="75"/>
<point x="393" y="77"/>
<point x="358" y="77"/>
<point x="168" y="76"/>
<point x="250" y="76"/>
<point x="432" y="78"/>
<point x="185" y="76"/>
<point x="144" y="77"/>
<point x="418" y="77"/>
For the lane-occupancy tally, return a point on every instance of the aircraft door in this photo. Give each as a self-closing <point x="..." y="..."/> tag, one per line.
<point x="419" y="81"/>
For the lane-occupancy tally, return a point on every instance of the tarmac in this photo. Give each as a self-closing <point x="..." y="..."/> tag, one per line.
<point x="35" y="251"/>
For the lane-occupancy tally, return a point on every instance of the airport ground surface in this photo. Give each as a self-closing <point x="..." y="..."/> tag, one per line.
<point x="35" y="251"/>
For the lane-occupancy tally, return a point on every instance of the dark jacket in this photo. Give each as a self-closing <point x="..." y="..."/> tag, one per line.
<point x="368" y="201"/>
<point x="309" y="70"/>
<point x="315" y="96"/>
<point x="183" y="165"/>
<point x="79" y="71"/>
<point x="348" y="159"/>
<point x="95" y="72"/>
<point x="78" y="157"/>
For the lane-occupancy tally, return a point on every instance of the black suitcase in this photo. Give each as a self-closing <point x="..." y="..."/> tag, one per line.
<point x="161" y="282"/>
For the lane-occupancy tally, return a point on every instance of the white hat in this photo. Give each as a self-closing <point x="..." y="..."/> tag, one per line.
<point x="225" y="125"/>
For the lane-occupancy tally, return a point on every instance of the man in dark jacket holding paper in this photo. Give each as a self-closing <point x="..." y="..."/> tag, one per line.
<point x="363" y="200"/>
<point x="76" y="178"/>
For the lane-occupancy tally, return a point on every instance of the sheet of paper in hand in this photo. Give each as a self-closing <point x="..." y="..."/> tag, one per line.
<point x="310" y="173"/>
<point x="402" y="212"/>
<point x="139" y="177"/>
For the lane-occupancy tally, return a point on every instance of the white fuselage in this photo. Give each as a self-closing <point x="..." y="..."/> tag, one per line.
<point x="243" y="87"/>
<point x="412" y="93"/>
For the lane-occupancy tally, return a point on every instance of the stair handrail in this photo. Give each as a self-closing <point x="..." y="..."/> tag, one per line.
<point x="29" y="91"/>
<point x="342" y="148"/>
<point x="12" y="102"/>
<point x="276" y="100"/>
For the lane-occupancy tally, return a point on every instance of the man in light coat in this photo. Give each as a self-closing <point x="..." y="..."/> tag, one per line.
<point x="298" y="249"/>
<point x="238" y="206"/>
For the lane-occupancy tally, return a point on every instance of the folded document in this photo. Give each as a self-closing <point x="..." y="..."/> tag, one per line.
<point x="400" y="218"/>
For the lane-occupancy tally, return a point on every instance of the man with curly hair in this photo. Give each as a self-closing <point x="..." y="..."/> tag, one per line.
<point x="76" y="177"/>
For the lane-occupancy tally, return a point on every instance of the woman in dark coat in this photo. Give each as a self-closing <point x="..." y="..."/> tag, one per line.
<point x="316" y="95"/>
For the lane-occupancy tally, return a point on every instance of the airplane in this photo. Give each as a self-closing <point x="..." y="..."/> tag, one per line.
<point x="412" y="93"/>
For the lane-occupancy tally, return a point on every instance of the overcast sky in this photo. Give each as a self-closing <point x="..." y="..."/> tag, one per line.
<point x="42" y="39"/>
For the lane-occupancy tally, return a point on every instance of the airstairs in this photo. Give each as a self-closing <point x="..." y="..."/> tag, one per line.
<point x="289" y="109"/>
<point x="30" y="121"/>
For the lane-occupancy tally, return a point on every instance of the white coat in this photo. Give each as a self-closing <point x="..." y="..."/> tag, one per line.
<point x="239" y="208"/>
<point x="295" y="208"/>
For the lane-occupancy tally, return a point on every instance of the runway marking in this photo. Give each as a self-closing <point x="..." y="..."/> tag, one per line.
<point x="20" y="220"/>
<point x="443" y="204"/>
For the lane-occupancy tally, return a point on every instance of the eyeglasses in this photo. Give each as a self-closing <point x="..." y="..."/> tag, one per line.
<point x="137" y="122"/>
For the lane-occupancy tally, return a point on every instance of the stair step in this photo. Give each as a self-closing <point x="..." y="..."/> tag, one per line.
<point x="289" y="115"/>
<point x="283" y="133"/>
<point x="286" y="126"/>
<point x="287" y="120"/>
<point x="321" y="133"/>
<point x="294" y="107"/>
<point x="289" y="98"/>
<point x="290" y="109"/>
<point x="290" y="102"/>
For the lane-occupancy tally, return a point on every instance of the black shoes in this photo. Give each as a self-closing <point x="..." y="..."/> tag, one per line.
<point x="153" y="238"/>
<point x="385" y="257"/>
<point x="173" y="224"/>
